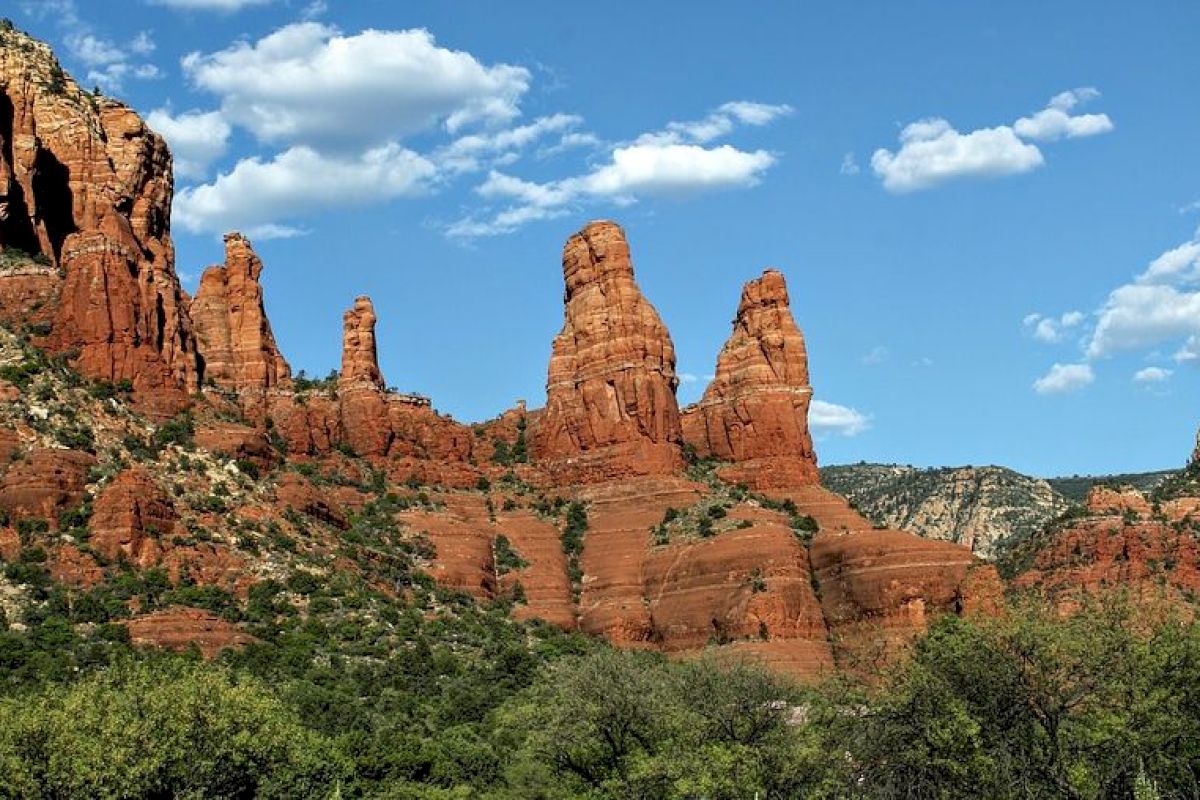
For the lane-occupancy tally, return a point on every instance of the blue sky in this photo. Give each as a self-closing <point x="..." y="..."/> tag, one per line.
<point x="987" y="213"/>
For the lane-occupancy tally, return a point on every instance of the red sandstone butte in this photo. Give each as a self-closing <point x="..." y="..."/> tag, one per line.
<point x="755" y="411"/>
<point x="233" y="335"/>
<point x="610" y="408"/>
<point x="85" y="183"/>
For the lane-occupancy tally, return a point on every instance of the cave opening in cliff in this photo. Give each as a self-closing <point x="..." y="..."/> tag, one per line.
<point x="16" y="229"/>
<point x="53" y="199"/>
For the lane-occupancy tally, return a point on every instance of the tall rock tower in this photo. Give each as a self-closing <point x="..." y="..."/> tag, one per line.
<point x="610" y="411"/>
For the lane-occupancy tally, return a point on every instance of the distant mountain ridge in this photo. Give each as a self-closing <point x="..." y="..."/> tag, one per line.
<point x="984" y="508"/>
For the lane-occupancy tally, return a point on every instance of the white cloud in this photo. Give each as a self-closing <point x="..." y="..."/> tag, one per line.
<point x="1056" y="122"/>
<point x="637" y="170"/>
<point x="209" y="5"/>
<point x="142" y="44"/>
<point x="831" y="418"/>
<point x="717" y="124"/>
<point x="1064" y="378"/>
<point x="877" y="355"/>
<point x="108" y="63"/>
<point x="302" y="83"/>
<point x="196" y="138"/>
<point x="1050" y="329"/>
<point x="687" y="377"/>
<point x="932" y="152"/>
<point x="467" y="152"/>
<point x="1180" y="264"/>
<point x="1151" y="375"/>
<point x="93" y="50"/>
<point x="256" y="194"/>
<point x="849" y="165"/>
<point x="1139" y="315"/>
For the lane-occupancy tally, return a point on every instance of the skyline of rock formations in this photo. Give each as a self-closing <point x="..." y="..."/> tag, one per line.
<point x="793" y="575"/>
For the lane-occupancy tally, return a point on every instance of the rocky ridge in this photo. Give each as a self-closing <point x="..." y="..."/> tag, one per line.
<point x="981" y="508"/>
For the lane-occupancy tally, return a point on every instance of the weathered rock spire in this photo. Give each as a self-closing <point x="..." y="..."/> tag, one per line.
<point x="610" y="409"/>
<point x="233" y="334"/>
<point x="360" y="360"/>
<point x="755" y="411"/>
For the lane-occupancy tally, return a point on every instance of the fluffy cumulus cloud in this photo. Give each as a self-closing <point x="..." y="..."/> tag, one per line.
<point x="1158" y="308"/>
<point x="1161" y="305"/>
<point x="302" y="83"/>
<point x="1055" y="121"/>
<point x="293" y="89"/>
<point x="1052" y="329"/>
<point x="679" y="160"/>
<point x="833" y="419"/>
<point x="196" y="138"/>
<point x="933" y="152"/>
<point x="257" y="194"/>
<point x="1151" y="375"/>
<point x="1063" y="378"/>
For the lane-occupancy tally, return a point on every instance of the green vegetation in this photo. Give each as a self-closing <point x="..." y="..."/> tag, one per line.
<point x="1031" y="705"/>
<point x="507" y="559"/>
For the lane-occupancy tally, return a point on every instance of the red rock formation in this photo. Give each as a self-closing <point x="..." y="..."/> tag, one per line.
<point x="544" y="580"/>
<point x="610" y="391"/>
<point x="360" y="361"/>
<point x="10" y="544"/>
<point x="46" y="483"/>
<point x="749" y="587"/>
<point x="755" y="411"/>
<point x="28" y="293"/>
<point x="88" y="185"/>
<point x="1123" y="544"/>
<point x="236" y="441"/>
<point x="879" y="589"/>
<point x="363" y="404"/>
<point x="233" y="335"/>
<point x="70" y="565"/>
<point x="130" y="519"/>
<point x="182" y="627"/>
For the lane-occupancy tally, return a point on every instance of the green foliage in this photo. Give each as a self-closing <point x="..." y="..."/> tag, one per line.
<point x="162" y="729"/>
<point x="179" y="431"/>
<point x="507" y="559"/>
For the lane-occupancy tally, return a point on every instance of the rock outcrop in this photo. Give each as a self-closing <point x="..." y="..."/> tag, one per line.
<point x="45" y="483"/>
<point x="610" y="408"/>
<point x="755" y="411"/>
<point x="130" y="520"/>
<point x="233" y="335"/>
<point x="360" y="358"/>
<point x="87" y="185"/>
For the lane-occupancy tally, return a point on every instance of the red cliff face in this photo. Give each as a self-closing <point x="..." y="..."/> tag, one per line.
<point x="233" y="335"/>
<point x="610" y="390"/>
<point x="755" y="411"/>
<point x="1124" y="543"/>
<point x="86" y="184"/>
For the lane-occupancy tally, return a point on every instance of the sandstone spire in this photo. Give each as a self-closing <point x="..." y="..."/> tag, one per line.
<point x="233" y="334"/>
<point x="360" y="361"/>
<point x="610" y="390"/>
<point x="755" y="411"/>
